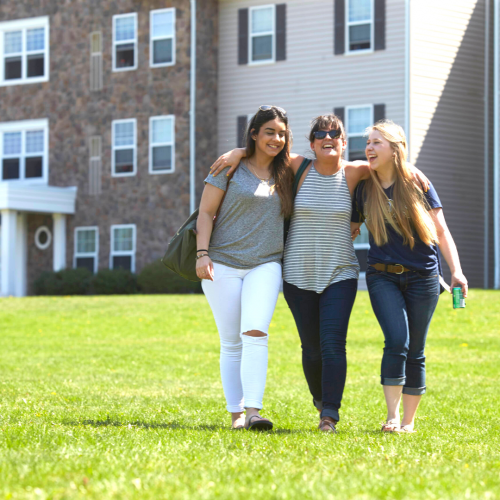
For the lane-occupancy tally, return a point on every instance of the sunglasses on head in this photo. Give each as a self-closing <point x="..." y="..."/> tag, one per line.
<point x="265" y="107"/>
<point x="334" y="134"/>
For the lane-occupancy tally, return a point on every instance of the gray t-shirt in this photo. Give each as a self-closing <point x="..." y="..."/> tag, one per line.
<point x="249" y="229"/>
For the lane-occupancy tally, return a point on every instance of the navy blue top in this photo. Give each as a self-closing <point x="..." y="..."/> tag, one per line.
<point x="422" y="258"/>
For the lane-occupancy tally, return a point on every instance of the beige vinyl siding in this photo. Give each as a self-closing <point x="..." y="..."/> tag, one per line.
<point x="447" y="116"/>
<point x="312" y="80"/>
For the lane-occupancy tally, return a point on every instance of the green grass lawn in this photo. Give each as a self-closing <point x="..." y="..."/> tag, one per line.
<point x="120" y="397"/>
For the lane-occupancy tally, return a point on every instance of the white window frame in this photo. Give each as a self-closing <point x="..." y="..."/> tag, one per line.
<point x="114" y="148"/>
<point x="358" y="23"/>
<point x="24" y="126"/>
<point x="346" y="124"/>
<point x="132" y="40"/>
<point x="151" y="145"/>
<point x="153" y="39"/>
<point x="122" y="253"/>
<point x="251" y="62"/>
<point x="24" y="25"/>
<point x="94" y="254"/>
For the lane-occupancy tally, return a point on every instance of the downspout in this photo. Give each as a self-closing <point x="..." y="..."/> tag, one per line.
<point x="407" y="75"/>
<point x="192" y="113"/>
<point x="496" y="151"/>
<point x="486" y="144"/>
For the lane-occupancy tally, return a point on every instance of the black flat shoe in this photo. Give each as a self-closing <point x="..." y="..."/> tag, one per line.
<point x="259" y="425"/>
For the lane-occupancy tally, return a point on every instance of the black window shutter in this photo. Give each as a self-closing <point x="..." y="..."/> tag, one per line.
<point x="379" y="24"/>
<point x="339" y="29"/>
<point x="281" y="32"/>
<point x="241" y="129"/>
<point x="378" y="112"/>
<point x="340" y="112"/>
<point x="243" y="36"/>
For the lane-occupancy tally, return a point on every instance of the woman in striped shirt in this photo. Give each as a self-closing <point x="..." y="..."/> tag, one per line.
<point x="320" y="267"/>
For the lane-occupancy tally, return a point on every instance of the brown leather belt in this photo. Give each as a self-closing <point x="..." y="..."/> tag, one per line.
<point x="390" y="268"/>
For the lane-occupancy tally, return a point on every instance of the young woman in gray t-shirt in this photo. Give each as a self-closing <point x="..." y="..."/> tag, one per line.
<point x="239" y="259"/>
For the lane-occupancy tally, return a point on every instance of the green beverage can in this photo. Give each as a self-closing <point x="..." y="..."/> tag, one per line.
<point x="458" y="298"/>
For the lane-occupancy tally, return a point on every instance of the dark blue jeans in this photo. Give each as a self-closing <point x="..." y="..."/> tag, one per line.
<point x="322" y="320"/>
<point x="404" y="305"/>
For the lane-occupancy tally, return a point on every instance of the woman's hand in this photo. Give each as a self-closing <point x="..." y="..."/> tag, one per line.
<point x="229" y="159"/>
<point x="205" y="268"/>
<point x="458" y="279"/>
<point x="355" y="230"/>
<point x="419" y="177"/>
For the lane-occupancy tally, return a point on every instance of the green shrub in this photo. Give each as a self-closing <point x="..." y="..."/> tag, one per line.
<point x="113" y="282"/>
<point x="156" y="278"/>
<point x="65" y="282"/>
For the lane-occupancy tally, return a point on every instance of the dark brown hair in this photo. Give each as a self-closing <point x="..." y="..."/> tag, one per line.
<point x="326" y="121"/>
<point x="280" y="167"/>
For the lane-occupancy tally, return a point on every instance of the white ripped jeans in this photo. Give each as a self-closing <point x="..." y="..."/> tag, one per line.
<point x="243" y="300"/>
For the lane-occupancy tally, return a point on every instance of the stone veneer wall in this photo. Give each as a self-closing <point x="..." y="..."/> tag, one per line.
<point x="157" y="204"/>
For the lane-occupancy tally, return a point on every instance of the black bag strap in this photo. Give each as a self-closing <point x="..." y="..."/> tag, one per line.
<point x="299" y="174"/>
<point x="229" y="177"/>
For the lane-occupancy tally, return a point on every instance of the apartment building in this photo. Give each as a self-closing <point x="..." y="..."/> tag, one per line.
<point x="111" y="113"/>
<point x="95" y="108"/>
<point x="426" y="64"/>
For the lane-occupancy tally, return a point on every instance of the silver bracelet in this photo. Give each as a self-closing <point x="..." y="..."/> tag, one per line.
<point x="200" y="256"/>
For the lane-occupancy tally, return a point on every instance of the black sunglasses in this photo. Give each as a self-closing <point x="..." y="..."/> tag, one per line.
<point x="265" y="107"/>
<point x="334" y="133"/>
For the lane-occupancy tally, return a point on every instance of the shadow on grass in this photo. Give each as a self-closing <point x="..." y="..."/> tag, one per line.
<point x="160" y="425"/>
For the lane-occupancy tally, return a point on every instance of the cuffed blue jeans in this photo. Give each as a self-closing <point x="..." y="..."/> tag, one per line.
<point x="404" y="305"/>
<point x="322" y="320"/>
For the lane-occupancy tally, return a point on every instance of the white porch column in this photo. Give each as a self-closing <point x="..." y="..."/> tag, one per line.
<point x="21" y="254"/>
<point x="9" y="239"/>
<point x="59" y="242"/>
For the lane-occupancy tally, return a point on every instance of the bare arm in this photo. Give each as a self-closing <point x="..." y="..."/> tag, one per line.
<point x="209" y="204"/>
<point x="232" y="159"/>
<point x="449" y="250"/>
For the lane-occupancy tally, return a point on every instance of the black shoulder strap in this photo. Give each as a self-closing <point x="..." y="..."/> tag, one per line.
<point x="299" y="174"/>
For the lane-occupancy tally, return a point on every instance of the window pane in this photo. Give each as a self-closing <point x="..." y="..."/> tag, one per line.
<point x="122" y="262"/>
<point x="36" y="65"/>
<point x="262" y="20"/>
<point x="86" y="241"/>
<point x="125" y="28"/>
<point x="162" y="51"/>
<point x="162" y="130"/>
<point x="262" y="49"/>
<point x="86" y="263"/>
<point x="10" y="168"/>
<point x="12" y="143"/>
<point x="124" y="134"/>
<point x="163" y="24"/>
<point x="34" y="167"/>
<point x="13" y="42"/>
<point x="360" y="37"/>
<point x="358" y="120"/>
<point x="123" y="239"/>
<point x="162" y="158"/>
<point x="124" y="161"/>
<point x="125" y="55"/>
<point x="12" y="68"/>
<point x="360" y="10"/>
<point x="35" y="39"/>
<point x="357" y="147"/>
<point x="34" y="141"/>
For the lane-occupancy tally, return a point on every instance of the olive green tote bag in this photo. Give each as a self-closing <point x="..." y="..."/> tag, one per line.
<point x="181" y="252"/>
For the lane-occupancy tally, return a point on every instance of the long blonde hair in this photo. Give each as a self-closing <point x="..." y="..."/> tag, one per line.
<point x="410" y="210"/>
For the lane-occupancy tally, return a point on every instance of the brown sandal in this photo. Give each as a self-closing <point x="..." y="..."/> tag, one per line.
<point x="391" y="426"/>
<point x="259" y="425"/>
<point x="327" y="424"/>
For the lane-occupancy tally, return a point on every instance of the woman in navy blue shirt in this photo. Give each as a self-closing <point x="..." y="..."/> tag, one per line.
<point x="405" y="227"/>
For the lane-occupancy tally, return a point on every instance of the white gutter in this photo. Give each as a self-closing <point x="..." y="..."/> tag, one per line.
<point x="486" y="256"/>
<point x="496" y="146"/>
<point x="192" y="113"/>
<point x="407" y="75"/>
